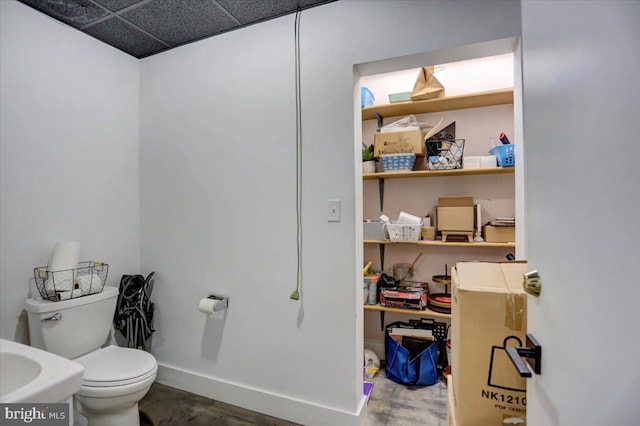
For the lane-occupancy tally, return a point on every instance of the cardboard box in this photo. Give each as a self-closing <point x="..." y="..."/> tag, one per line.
<point x="455" y="214"/>
<point x="489" y="311"/>
<point x="499" y="234"/>
<point x="451" y="408"/>
<point x="408" y="142"/>
<point x="428" y="233"/>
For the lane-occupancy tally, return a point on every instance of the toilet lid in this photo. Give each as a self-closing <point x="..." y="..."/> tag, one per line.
<point x="114" y="366"/>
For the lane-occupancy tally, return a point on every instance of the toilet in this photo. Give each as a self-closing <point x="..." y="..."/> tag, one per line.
<point x="115" y="378"/>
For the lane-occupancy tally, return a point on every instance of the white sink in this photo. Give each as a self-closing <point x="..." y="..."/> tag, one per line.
<point x="28" y="374"/>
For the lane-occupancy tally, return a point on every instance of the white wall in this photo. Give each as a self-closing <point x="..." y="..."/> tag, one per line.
<point x="68" y="152"/>
<point x="218" y="206"/>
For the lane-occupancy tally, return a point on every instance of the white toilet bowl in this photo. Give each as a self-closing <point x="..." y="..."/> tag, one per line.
<point x="115" y="379"/>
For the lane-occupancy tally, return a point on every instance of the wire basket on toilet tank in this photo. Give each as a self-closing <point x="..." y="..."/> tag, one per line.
<point x="88" y="278"/>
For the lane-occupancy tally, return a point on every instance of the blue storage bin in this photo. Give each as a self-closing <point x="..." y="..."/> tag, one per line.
<point x="506" y="155"/>
<point x="391" y="162"/>
<point x="366" y="97"/>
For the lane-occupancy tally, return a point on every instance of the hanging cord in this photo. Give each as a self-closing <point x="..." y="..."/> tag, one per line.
<point x="296" y="293"/>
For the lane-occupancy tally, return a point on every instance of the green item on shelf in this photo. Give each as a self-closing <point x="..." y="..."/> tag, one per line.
<point x="399" y="97"/>
<point x="367" y="152"/>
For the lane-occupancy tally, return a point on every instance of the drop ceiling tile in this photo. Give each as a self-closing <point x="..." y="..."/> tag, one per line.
<point x="125" y="37"/>
<point x="116" y="5"/>
<point x="73" y="12"/>
<point x="248" y="11"/>
<point x="180" y="21"/>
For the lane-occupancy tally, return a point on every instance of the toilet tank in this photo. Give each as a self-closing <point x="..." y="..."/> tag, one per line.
<point x="83" y="323"/>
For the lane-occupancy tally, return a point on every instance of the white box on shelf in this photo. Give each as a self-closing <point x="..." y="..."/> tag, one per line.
<point x="488" y="161"/>
<point x="471" y="162"/>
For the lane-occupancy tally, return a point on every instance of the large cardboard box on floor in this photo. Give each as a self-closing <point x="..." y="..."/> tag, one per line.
<point x="407" y="142"/>
<point x="489" y="312"/>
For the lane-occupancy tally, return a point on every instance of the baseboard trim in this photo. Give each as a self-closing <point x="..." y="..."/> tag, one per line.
<point x="280" y="406"/>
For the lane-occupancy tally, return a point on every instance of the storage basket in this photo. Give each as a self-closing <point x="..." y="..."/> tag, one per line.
<point x="393" y="162"/>
<point x="366" y="97"/>
<point x="413" y="360"/>
<point x="87" y="278"/>
<point x="404" y="232"/>
<point x="506" y="155"/>
<point x="444" y="154"/>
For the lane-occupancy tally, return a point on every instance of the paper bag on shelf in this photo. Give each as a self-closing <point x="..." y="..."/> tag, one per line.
<point x="426" y="86"/>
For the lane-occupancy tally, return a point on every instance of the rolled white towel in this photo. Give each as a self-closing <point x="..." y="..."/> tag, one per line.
<point x="65" y="256"/>
<point x="59" y="281"/>
<point x="89" y="283"/>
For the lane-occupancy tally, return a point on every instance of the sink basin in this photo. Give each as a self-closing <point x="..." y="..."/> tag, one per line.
<point x="28" y="374"/>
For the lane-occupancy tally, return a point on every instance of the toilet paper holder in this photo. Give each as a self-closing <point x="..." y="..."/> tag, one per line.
<point x="221" y="302"/>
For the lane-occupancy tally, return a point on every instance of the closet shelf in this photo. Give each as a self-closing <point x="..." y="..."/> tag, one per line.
<point x="449" y="103"/>
<point x="438" y="243"/>
<point x="433" y="173"/>
<point x="421" y="313"/>
<point x="425" y="312"/>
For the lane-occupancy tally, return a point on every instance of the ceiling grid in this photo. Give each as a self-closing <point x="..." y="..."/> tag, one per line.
<point x="143" y="28"/>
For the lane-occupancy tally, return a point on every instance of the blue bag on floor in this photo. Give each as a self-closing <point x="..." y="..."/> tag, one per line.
<point x="411" y="369"/>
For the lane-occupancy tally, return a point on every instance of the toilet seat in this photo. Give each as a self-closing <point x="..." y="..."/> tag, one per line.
<point x="114" y="366"/>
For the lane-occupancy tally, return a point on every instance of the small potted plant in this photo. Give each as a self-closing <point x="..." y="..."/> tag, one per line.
<point x="368" y="160"/>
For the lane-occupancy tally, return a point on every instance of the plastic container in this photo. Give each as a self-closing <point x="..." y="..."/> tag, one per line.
<point x="402" y="232"/>
<point x="373" y="293"/>
<point x="366" y="97"/>
<point x="394" y="162"/>
<point x="370" y="289"/>
<point x="506" y="155"/>
<point x="401" y="271"/>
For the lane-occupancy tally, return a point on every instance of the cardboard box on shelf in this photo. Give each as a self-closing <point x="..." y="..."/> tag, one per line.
<point x="455" y="214"/>
<point x="499" y="234"/>
<point x="407" y="142"/>
<point x="428" y="233"/>
<point x="489" y="313"/>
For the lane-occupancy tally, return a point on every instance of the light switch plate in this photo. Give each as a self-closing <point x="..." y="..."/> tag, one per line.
<point x="333" y="211"/>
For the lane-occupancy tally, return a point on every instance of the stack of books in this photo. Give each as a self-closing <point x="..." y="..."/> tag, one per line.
<point x="503" y="221"/>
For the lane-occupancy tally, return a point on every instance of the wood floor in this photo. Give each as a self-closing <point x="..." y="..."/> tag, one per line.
<point x="391" y="404"/>
<point x="167" y="406"/>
